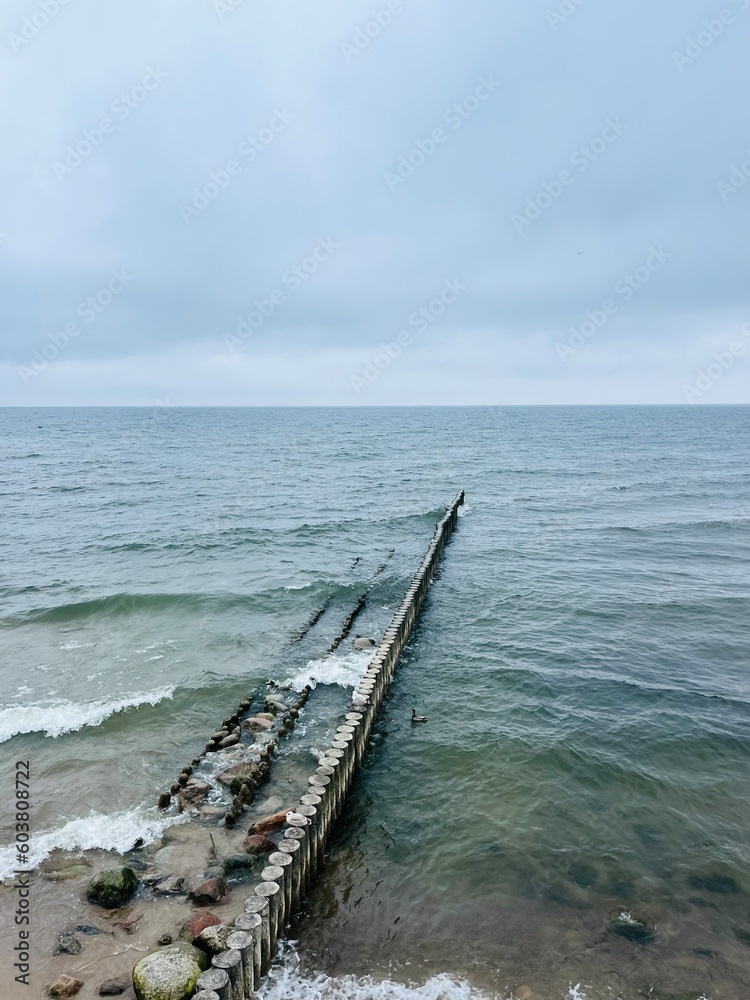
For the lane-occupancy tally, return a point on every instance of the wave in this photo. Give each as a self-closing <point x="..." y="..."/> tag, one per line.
<point x="98" y="831"/>
<point x="189" y="601"/>
<point x="344" y="669"/>
<point x="68" y="716"/>
<point x="285" y="981"/>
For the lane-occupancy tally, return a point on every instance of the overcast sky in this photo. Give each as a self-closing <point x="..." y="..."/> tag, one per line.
<point x="242" y="202"/>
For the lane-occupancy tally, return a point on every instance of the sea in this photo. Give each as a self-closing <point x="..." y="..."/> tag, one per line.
<point x="582" y="661"/>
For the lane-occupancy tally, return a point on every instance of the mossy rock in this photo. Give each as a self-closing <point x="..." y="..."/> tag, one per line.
<point x="113" y="887"/>
<point x="170" y="973"/>
<point x="238" y="865"/>
<point x="632" y="928"/>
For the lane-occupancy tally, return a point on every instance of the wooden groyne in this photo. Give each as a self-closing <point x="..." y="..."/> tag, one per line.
<point x="236" y="972"/>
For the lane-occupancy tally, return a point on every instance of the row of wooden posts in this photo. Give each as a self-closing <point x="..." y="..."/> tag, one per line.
<point x="236" y="972"/>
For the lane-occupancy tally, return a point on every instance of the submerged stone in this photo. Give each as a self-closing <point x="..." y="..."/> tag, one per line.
<point x="113" y="887"/>
<point x="630" y="927"/>
<point x="242" y="864"/>
<point x="169" y="974"/>
<point x="714" y="883"/>
<point x="67" y="944"/>
<point x="66" y="986"/>
<point x="114" y="987"/>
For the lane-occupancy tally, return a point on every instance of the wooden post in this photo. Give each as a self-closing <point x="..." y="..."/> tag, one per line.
<point x="243" y="943"/>
<point x="252" y="924"/>
<point x="230" y="961"/>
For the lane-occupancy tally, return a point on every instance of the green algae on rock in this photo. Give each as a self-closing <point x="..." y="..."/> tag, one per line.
<point x="113" y="887"/>
<point x="169" y="974"/>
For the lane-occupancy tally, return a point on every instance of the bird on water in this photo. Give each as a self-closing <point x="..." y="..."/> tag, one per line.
<point x="417" y="718"/>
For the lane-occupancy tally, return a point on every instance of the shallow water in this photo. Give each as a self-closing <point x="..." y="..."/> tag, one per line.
<point x="582" y="660"/>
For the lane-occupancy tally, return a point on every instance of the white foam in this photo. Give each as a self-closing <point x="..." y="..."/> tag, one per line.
<point x="576" y="993"/>
<point x="286" y="982"/>
<point x="68" y="716"/>
<point x="344" y="669"/>
<point x="116" y="832"/>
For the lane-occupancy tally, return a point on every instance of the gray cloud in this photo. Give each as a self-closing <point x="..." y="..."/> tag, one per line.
<point x="224" y="78"/>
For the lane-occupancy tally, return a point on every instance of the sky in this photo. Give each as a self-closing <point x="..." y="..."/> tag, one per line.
<point x="391" y="202"/>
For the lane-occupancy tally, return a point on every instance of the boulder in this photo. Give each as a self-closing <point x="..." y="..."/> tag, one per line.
<point x="208" y="891"/>
<point x="213" y="939"/>
<point x="257" y="725"/>
<point x="275" y="703"/>
<point x="114" y="987"/>
<point x="192" y="795"/>
<point x="256" y="843"/>
<point x="242" y="864"/>
<point x="362" y="642"/>
<point x="113" y="887"/>
<point x="266" y="715"/>
<point x="197" y="923"/>
<point x="239" y="774"/>
<point x="269" y="823"/>
<point x="169" y="974"/>
<point x="66" y="986"/>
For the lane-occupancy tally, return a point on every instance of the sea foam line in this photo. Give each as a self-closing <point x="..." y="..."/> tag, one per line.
<point x="286" y="982"/>
<point x="115" y="832"/>
<point x="67" y="716"/>
<point x="344" y="669"/>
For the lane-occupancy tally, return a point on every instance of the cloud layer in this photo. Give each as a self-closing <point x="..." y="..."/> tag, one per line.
<point x="286" y="189"/>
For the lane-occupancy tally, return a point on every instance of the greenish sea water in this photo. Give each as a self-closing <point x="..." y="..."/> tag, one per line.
<point x="582" y="659"/>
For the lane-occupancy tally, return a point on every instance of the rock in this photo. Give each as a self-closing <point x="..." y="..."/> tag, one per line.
<point x="208" y="891"/>
<point x="113" y="887"/>
<point x="164" y="940"/>
<point x="258" y="844"/>
<point x="362" y="642"/>
<point x="246" y="772"/>
<point x="88" y="929"/>
<point x="66" y="986"/>
<point x="165" y="800"/>
<point x="229" y="741"/>
<point x="114" y="987"/>
<point x="714" y="883"/>
<point x="164" y="856"/>
<point x="242" y="864"/>
<point x="169" y="974"/>
<point x="266" y="715"/>
<point x="213" y="939"/>
<point x="257" y="725"/>
<point x="197" y="923"/>
<point x="67" y="944"/>
<point x="174" y="887"/>
<point x="275" y="703"/>
<point x="269" y="823"/>
<point x="632" y="928"/>
<point x="192" y="795"/>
